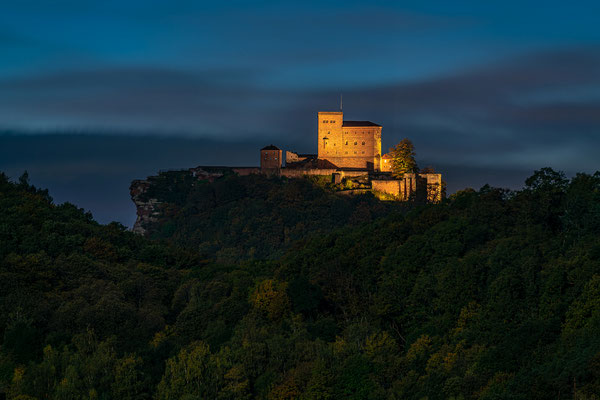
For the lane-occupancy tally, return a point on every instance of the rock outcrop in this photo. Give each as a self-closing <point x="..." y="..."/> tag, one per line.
<point x="147" y="210"/>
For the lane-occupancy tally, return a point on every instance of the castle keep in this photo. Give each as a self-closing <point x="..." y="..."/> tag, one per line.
<point x="349" y="144"/>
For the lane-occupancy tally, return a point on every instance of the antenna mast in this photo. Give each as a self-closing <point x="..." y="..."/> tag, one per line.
<point x="341" y="103"/>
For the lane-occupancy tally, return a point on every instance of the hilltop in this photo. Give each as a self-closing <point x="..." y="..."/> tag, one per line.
<point x="490" y="294"/>
<point x="230" y="217"/>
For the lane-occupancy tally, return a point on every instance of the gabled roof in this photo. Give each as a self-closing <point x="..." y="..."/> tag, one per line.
<point x="270" y="147"/>
<point x="359" y="123"/>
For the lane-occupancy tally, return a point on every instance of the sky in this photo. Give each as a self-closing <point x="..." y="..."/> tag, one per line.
<point x="94" y="94"/>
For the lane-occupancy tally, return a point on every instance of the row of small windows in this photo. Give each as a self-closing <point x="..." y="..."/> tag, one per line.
<point x="331" y="122"/>
<point x="356" y="152"/>
<point x="355" y="143"/>
<point x="347" y="133"/>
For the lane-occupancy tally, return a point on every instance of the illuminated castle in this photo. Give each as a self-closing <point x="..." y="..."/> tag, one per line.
<point x="350" y="150"/>
<point x="348" y="153"/>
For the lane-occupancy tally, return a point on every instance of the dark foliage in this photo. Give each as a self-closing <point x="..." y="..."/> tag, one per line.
<point x="252" y="217"/>
<point x="489" y="295"/>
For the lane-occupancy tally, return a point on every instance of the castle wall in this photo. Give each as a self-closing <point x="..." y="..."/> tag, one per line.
<point x="291" y="157"/>
<point x="299" y="173"/>
<point x="386" y="186"/>
<point x="421" y="187"/>
<point x="434" y="187"/>
<point x="243" y="171"/>
<point x="329" y="134"/>
<point x="386" y="163"/>
<point x="348" y="146"/>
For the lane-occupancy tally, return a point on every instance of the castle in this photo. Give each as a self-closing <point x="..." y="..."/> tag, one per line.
<point x="351" y="150"/>
<point x="348" y="153"/>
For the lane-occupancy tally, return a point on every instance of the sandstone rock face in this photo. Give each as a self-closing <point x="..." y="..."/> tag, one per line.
<point x="147" y="210"/>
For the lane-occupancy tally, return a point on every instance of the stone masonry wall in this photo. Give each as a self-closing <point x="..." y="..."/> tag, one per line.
<point x="348" y="146"/>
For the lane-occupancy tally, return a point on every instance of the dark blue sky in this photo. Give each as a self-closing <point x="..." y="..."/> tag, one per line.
<point x="487" y="90"/>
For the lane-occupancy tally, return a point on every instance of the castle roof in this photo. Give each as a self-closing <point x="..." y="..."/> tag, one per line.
<point x="270" y="147"/>
<point x="312" y="163"/>
<point x="359" y="123"/>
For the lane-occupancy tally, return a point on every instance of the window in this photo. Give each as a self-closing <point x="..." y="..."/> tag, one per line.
<point x="363" y="152"/>
<point x="324" y="121"/>
<point x="346" y="152"/>
<point x="363" y="143"/>
<point x="332" y="122"/>
<point x="346" y="143"/>
<point x="355" y="143"/>
<point x="354" y="152"/>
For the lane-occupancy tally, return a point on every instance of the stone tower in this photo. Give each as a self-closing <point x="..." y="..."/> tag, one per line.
<point x="349" y="144"/>
<point x="270" y="159"/>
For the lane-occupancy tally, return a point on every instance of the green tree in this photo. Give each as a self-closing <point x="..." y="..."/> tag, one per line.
<point x="129" y="383"/>
<point x="403" y="158"/>
<point x="270" y="297"/>
<point x="192" y="373"/>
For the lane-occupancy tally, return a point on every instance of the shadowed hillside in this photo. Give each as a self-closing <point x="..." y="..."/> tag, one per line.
<point x="491" y="294"/>
<point x="233" y="217"/>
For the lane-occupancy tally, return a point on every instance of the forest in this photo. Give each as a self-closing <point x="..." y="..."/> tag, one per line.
<point x="263" y="288"/>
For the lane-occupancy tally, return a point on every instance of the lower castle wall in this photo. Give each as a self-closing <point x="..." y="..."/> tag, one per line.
<point x="434" y="187"/>
<point x="422" y="186"/>
<point x="243" y="171"/>
<point x="365" y="162"/>
<point x="388" y="186"/>
<point x="299" y="173"/>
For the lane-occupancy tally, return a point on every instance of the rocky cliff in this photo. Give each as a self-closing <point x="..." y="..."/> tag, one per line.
<point x="147" y="209"/>
<point x="149" y="201"/>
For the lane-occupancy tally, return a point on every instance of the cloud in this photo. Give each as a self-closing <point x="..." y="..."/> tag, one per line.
<point x="498" y="114"/>
<point x="136" y="99"/>
<point x="487" y="113"/>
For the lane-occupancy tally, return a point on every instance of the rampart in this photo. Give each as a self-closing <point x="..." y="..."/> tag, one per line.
<point x="420" y="187"/>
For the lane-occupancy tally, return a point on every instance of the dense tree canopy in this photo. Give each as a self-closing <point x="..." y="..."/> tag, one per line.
<point x="492" y="294"/>
<point x="403" y="158"/>
<point x="252" y="217"/>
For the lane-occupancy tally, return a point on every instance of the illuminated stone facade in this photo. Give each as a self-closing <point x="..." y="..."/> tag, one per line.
<point x="419" y="187"/>
<point x="348" y="144"/>
<point x="386" y="162"/>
